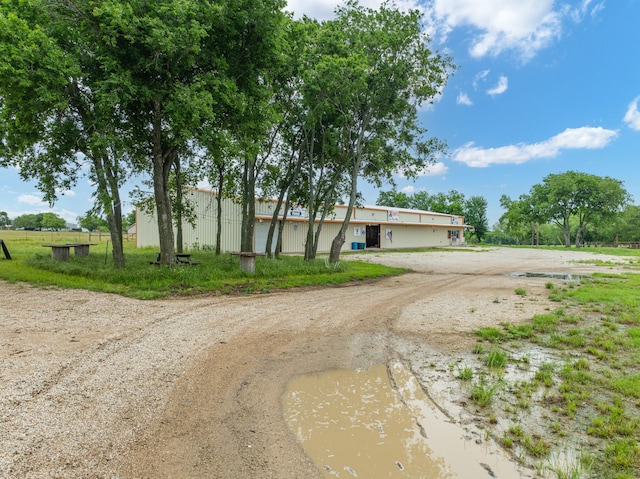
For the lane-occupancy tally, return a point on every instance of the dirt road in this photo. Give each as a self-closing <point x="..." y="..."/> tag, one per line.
<point x="100" y="386"/>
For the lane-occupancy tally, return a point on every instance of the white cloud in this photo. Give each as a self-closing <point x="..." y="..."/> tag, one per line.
<point x="463" y="99"/>
<point x="479" y="77"/>
<point x="324" y="9"/>
<point x="69" y="193"/>
<point x="31" y="200"/>
<point x="500" y="88"/>
<point x="577" y="14"/>
<point x="436" y="169"/>
<point x="522" y="26"/>
<point x="632" y="117"/>
<point x="69" y="216"/>
<point x="408" y="189"/>
<point x="571" y="138"/>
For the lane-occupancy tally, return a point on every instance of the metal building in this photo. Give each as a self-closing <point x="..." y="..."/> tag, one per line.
<point x="369" y="227"/>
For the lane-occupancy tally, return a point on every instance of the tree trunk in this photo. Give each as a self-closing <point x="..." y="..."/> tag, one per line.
<point x="161" y="169"/>
<point x="338" y="241"/>
<point x="532" y="233"/>
<point x="248" y="206"/>
<point x="114" y="219"/>
<point x="578" y="237"/>
<point x="566" y="230"/>
<point x="309" y="253"/>
<point x="273" y="223"/>
<point x="219" y="210"/>
<point x="109" y="195"/>
<point x="281" y="227"/>
<point x="290" y="179"/>
<point x="179" y="241"/>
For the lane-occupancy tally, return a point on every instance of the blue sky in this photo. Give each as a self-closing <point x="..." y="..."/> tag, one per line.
<point x="542" y="87"/>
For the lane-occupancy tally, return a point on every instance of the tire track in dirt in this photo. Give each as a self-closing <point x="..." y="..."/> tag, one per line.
<point x="182" y="388"/>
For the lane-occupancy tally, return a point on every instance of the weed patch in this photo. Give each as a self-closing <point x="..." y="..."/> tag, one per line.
<point x="586" y="390"/>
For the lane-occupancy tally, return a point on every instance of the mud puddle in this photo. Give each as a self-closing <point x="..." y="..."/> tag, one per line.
<point x="380" y="423"/>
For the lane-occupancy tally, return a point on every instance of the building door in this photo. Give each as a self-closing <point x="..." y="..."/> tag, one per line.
<point x="261" y="231"/>
<point x="373" y="236"/>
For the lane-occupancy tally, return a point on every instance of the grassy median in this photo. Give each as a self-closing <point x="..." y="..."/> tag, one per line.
<point x="32" y="263"/>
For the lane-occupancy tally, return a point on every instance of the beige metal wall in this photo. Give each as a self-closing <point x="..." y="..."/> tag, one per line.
<point x="427" y="229"/>
<point x="203" y="235"/>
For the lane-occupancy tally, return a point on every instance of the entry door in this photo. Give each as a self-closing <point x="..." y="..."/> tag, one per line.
<point x="373" y="236"/>
<point x="261" y="230"/>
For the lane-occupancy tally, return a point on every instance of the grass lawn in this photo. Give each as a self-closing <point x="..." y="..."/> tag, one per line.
<point x="32" y="263"/>
<point x="583" y="396"/>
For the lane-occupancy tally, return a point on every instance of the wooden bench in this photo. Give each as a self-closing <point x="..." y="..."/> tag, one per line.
<point x="61" y="252"/>
<point x="181" y="258"/>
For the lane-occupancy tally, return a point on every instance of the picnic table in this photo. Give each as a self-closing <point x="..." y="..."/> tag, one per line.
<point x="181" y="258"/>
<point x="61" y="252"/>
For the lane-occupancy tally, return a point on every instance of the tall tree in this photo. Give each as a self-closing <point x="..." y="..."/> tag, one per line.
<point x="394" y="198"/>
<point x="562" y="196"/>
<point x="54" y="113"/>
<point x="452" y="202"/>
<point x="475" y="212"/>
<point x="376" y="68"/>
<point x="625" y="226"/>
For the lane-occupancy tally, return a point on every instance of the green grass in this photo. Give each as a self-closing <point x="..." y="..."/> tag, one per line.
<point x="483" y="391"/>
<point x="496" y="359"/>
<point x="33" y="264"/>
<point x="585" y="391"/>
<point x="465" y="374"/>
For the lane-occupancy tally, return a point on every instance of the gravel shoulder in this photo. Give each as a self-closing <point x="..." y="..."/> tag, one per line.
<point x="95" y="385"/>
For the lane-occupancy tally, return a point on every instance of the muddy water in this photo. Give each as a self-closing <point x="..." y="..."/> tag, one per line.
<point x="379" y="423"/>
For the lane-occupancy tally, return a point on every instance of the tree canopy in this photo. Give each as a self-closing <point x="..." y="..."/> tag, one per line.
<point x="39" y="221"/>
<point x="233" y="91"/>
<point x="573" y="201"/>
<point x="453" y="202"/>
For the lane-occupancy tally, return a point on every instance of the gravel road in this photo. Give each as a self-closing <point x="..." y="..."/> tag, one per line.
<point x="100" y="386"/>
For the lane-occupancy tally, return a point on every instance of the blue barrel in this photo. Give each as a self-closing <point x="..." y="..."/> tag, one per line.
<point x="354" y="245"/>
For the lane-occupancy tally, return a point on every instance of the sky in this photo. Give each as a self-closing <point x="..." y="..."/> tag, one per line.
<point x="542" y="87"/>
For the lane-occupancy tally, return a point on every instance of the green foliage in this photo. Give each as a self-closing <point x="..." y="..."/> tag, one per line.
<point x="465" y="374"/>
<point x="590" y="348"/>
<point x="92" y="222"/>
<point x="215" y="274"/>
<point x="483" y="391"/>
<point x="46" y="221"/>
<point x="623" y="455"/>
<point x="583" y="206"/>
<point x="496" y="358"/>
<point x="491" y="334"/>
<point x="475" y="212"/>
<point x="545" y="323"/>
<point x="545" y="374"/>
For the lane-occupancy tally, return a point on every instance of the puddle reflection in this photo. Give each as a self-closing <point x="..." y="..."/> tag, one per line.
<point x="357" y="424"/>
